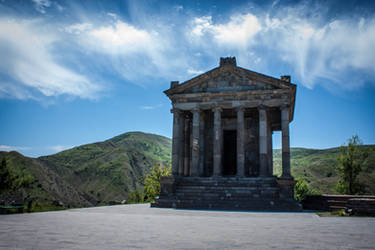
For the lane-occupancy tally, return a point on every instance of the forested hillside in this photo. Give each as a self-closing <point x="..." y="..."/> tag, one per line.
<point x="92" y="174"/>
<point x="106" y="172"/>
<point x="318" y="168"/>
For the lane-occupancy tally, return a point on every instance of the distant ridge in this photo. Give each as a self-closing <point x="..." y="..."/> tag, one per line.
<point x="102" y="172"/>
<point x="92" y="174"/>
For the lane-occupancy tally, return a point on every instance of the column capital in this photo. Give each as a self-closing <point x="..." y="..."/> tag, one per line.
<point x="196" y="109"/>
<point x="217" y="108"/>
<point x="285" y="114"/>
<point x="284" y="106"/>
<point x="262" y="107"/>
<point x="240" y="108"/>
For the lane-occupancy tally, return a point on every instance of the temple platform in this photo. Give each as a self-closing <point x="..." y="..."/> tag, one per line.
<point x="228" y="193"/>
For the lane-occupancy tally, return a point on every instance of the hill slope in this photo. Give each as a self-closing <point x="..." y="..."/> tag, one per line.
<point x="94" y="173"/>
<point x="102" y="172"/>
<point x="318" y="168"/>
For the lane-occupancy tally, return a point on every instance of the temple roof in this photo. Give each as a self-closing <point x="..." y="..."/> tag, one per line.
<point x="237" y="79"/>
<point x="229" y="79"/>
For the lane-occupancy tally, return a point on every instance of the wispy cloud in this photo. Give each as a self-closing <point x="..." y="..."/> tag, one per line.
<point x="147" y="50"/>
<point x="12" y="148"/>
<point x="194" y="71"/>
<point x="59" y="148"/>
<point x="338" y="50"/>
<point x="31" y="66"/>
<point x="239" y="31"/>
<point x="149" y="107"/>
<point x="137" y="53"/>
<point x="41" y="5"/>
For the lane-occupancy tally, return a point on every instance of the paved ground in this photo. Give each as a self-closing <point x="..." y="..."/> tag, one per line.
<point x="142" y="227"/>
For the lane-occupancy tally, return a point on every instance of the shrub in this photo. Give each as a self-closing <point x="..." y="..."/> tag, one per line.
<point x="152" y="181"/>
<point x="135" y="196"/>
<point x="301" y="190"/>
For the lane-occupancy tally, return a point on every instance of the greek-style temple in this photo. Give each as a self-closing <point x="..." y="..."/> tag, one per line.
<point x="223" y="122"/>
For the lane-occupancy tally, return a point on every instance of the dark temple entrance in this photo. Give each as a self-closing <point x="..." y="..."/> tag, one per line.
<point x="230" y="152"/>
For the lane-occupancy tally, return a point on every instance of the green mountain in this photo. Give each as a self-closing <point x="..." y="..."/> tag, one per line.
<point x="92" y="174"/>
<point x="318" y="168"/>
<point x="104" y="172"/>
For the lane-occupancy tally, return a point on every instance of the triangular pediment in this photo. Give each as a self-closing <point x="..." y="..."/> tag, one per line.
<point x="229" y="79"/>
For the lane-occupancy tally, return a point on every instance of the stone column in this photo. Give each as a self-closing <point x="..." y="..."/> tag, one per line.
<point x="240" y="142"/>
<point x="181" y="146"/>
<point x="201" y="144"/>
<point x="191" y="146"/>
<point x="195" y="144"/>
<point x="285" y="142"/>
<point x="270" y="152"/>
<point x="217" y="141"/>
<point x="187" y="147"/>
<point x="175" y="140"/>
<point x="263" y="156"/>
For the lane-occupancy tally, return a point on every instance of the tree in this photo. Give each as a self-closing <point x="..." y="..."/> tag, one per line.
<point x="350" y="159"/>
<point x="302" y="189"/>
<point x="152" y="181"/>
<point x="11" y="180"/>
<point x="135" y="196"/>
<point x="6" y="177"/>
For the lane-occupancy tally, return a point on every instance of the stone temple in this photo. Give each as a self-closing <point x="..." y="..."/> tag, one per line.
<point x="223" y="122"/>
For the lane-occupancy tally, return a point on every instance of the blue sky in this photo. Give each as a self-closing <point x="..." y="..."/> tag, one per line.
<point x="77" y="72"/>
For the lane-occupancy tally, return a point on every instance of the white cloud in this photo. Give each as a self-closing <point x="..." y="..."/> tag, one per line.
<point x="41" y="5"/>
<point x="59" y="148"/>
<point x="331" y="50"/>
<point x="301" y="40"/>
<point x="138" y="53"/>
<point x="113" y="15"/>
<point x="179" y="7"/>
<point x="239" y="31"/>
<point x="9" y="90"/>
<point x="149" y="107"/>
<point x="31" y="65"/>
<point x="201" y="25"/>
<point x="194" y="72"/>
<point x="12" y="148"/>
<point x="121" y="34"/>
<point x="340" y="51"/>
<point x="78" y="28"/>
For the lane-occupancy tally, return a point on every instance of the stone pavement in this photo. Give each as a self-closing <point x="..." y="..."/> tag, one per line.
<point x="142" y="227"/>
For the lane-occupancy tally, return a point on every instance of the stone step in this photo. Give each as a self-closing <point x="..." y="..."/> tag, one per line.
<point x="223" y="184"/>
<point x="225" y="189"/>
<point x="253" y="204"/>
<point x="334" y="208"/>
<point x="229" y="193"/>
<point x="201" y="181"/>
<point x="337" y="203"/>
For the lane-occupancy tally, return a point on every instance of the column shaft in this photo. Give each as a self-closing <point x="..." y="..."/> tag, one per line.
<point x="240" y="143"/>
<point x="217" y="141"/>
<point x="201" y="144"/>
<point x="263" y="156"/>
<point x="270" y="153"/>
<point x="195" y="146"/>
<point x="175" y="141"/>
<point x="187" y="147"/>
<point x="285" y="142"/>
<point x="181" y="146"/>
<point x="191" y="146"/>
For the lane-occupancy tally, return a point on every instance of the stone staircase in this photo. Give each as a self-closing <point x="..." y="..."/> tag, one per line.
<point x="229" y="193"/>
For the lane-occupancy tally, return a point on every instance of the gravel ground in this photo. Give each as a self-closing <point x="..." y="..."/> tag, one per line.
<point x="142" y="227"/>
